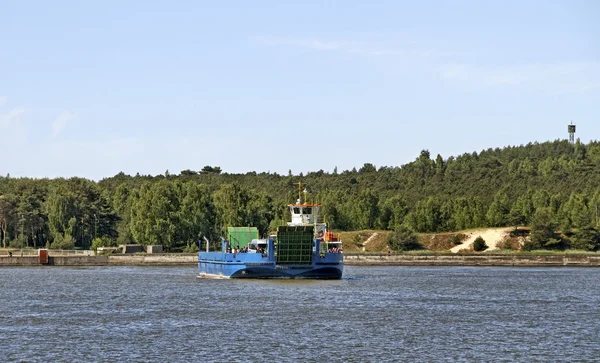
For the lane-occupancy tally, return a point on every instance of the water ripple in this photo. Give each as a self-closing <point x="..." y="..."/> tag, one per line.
<point x="374" y="314"/>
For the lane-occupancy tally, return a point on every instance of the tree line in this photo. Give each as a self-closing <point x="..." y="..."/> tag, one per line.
<point x="551" y="186"/>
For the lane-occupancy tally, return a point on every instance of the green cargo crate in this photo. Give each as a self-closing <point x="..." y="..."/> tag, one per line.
<point x="239" y="237"/>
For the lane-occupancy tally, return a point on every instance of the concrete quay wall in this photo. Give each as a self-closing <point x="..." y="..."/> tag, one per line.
<point x="472" y="260"/>
<point x="77" y="260"/>
<point x="116" y="260"/>
<point x="349" y="260"/>
<point x="19" y="261"/>
<point x="154" y="260"/>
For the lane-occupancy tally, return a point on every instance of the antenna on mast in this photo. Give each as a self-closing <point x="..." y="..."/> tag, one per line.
<point x="299" y="191"/>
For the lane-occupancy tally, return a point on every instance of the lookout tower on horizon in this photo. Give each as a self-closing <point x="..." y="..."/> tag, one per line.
<point x="571" y="128"/>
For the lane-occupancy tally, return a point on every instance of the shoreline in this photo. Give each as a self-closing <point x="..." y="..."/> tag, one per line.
<point x="349" y="260"/>
<point x="474" y="260"/>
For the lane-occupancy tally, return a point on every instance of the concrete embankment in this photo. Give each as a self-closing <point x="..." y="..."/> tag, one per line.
<point x="111" y="260"/>
<point x="54" y="261"/>
<point x="472" y="260"/>
<point x="349" y="260"/>
<point x="153" y="260"/>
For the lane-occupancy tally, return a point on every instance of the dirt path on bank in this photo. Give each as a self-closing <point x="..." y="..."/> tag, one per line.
<point x="372" y="237"/>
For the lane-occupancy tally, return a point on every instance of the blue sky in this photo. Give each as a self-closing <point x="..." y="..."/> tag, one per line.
<point x="94" y="88"/>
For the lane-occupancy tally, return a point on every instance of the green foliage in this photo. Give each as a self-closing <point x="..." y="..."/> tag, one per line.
<point x="17" y="243"/>
<point x="587" y="239"/>
<point x="367" y="168"/>
<point x="531" y="245"/>
<point x="392" y="212"/>
<point x="8" y="216"/>
<point x="122" y="200"/>
<point x="211" y="169"/>
<point x="191" y="248"/>
<point x="404" y="239"/>
<point x="479" y="244"/>
<point x="196" y="213"/>
<point x="456" y="240"/>
<point x="365" y="209"/>
<point x="239" y="206"/>
<point x="154" y="215"/>
<point x="499" y="212"/>
<point x="543" y="232"/>
<point x="103" y="241"/>
<point x="231" y="202"/>
<point x="188" y="172"/>
<point x="575" y="212"/>
<point x="79" y="209"/>
<point x="494" y="187"/>
<point x="63" y="242"/>
<point x="97" y="242"/>
<point x="357" y="240"/>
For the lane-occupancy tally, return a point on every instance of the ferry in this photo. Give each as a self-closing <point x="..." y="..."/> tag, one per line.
<point x="302" y="249"/>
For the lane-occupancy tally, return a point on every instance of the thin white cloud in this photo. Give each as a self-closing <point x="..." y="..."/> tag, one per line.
<point x="361" y="46"/>
<point x="558" y="78"/>
<point x="11" y="117"/>
<point x="314" y="44"/>
<point x="3" y="100"/>
<point x="582" y="86"/>
<point x="61" y="122"/>
<point x="317" y="44"/>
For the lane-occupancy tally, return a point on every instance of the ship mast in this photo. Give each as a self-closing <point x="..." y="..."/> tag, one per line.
<point x="299" y="191"/>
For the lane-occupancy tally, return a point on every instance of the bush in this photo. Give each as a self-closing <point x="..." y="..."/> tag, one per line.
<point x="479" y="244"/>
<point x="456" y="240"/>
<point x="587" y="239"/>
<point x="543" y="233"/>
<point x="531" y="245"/>
<point x="404" y="239"/>
<point x="508" y="243"/>
<point x="358" y="242"/>
<point x="102" y="242"/>
<point x="97" y="242"/>
<point x="16" y="243"/>
<point x="125" y="237"/>
<point x="63" y="242"/>
<point x="191" y="248"/>
<point x="523" y="232"/>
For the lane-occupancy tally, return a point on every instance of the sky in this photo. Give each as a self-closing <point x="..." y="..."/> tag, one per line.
<point x="94" y="88"/>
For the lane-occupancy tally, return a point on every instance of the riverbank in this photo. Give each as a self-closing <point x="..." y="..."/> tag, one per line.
<point x="110" y="260"/>
<point x="349" y="260"/>
<point x="473" y="260"/>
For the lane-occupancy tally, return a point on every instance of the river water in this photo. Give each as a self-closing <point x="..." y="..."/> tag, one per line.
<point x="374" y="314"/>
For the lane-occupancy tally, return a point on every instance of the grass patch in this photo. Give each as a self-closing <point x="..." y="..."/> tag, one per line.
<point x="441" y="241"/>
<point x="501" y="252"/>
<point x="353" y="241"/>
<point x="418" y="253"/>
<point x="559" y="252"/>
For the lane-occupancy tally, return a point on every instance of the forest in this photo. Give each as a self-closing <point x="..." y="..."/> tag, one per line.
<point x="552" y="186"/>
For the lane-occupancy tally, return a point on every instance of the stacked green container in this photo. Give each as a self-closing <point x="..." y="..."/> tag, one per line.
<point x="239" y="237"/>
<point x="295" y="245"/>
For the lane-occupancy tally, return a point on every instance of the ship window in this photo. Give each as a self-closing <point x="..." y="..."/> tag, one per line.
<point x="307" y="210"/>
<point x="296" y="210"/>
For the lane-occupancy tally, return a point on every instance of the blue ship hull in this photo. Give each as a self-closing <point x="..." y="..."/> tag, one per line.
<point x="254" y="265"/>
<point x="298" y="251"/>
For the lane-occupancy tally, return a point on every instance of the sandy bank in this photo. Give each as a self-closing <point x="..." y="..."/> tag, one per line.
<point x="491" y="236"/>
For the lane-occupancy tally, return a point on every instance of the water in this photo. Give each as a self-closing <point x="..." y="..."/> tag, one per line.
<point x="374" y="314"/>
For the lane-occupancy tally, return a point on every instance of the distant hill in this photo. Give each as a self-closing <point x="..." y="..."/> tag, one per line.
<point x="493" y="188"/>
